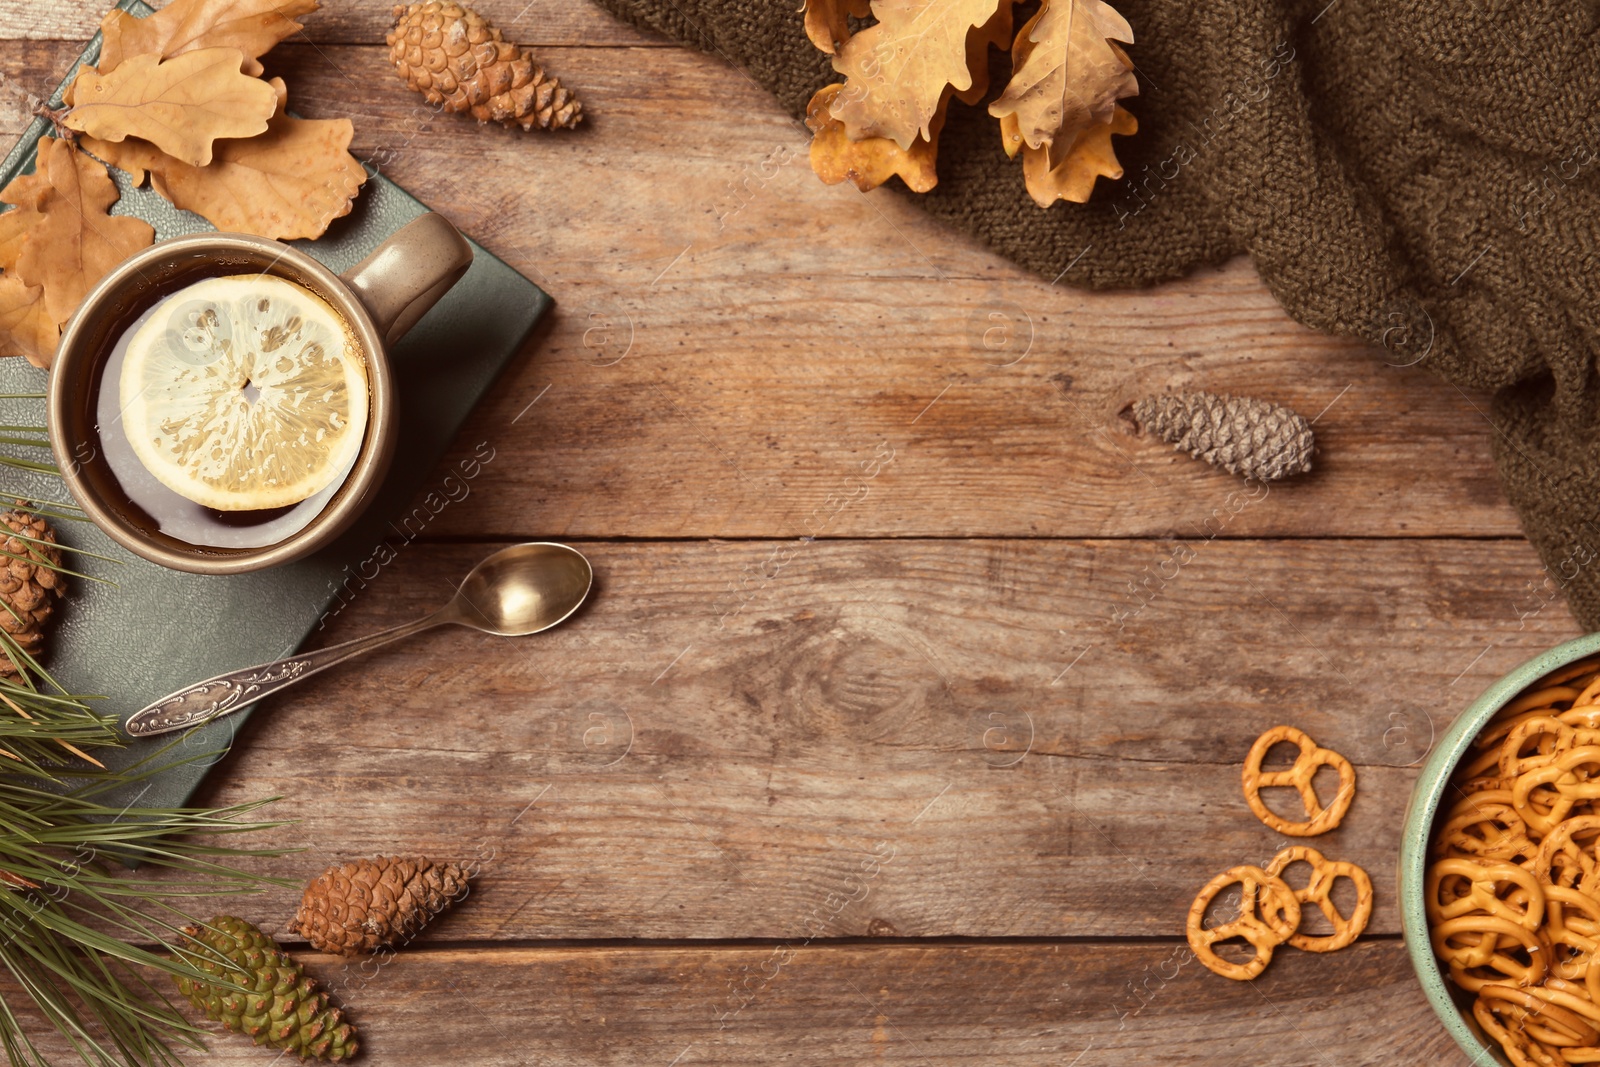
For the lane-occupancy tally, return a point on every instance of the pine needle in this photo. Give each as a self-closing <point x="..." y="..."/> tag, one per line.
<point x="82" y="936"/>
<point x="80" y="753"/>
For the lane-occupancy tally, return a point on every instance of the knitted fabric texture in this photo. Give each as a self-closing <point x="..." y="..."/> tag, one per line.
<point x="1419" y="173"/>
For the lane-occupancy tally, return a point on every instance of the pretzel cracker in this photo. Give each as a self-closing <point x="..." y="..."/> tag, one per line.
<point x="1311" y="758"/>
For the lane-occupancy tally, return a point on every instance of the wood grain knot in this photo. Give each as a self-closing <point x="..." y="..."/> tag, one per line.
<point x="843" y="682"/>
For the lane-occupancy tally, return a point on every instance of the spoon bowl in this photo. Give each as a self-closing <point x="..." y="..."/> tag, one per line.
<point x="523" y="589"/>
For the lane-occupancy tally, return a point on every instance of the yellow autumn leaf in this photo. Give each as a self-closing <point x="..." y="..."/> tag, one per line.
<point x="25" y="193"/>
<point x="871" y="161"/>
<point x="826" y="24"/>
<point x="290" y="182"/>
<point x="26" y="328"/>
<point x="251" y="26"/>
<point x="181" y="105"/>
<point x="997" y="32"/>
<point x="15" y="225"/>
<point x="75" y="242"/>
<point x="1089" y="157"/>
<point x="1067" y="73"/>
<point x="896" y="71"/>
<point x="137" y="158"/>
<point x="26" y="190"/>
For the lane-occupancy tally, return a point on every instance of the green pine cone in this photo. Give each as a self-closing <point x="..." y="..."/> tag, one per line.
<point x="283" y="1008"/>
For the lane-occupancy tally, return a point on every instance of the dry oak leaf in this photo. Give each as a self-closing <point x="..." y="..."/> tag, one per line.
<point x="181" y="105"/>
<point x="15" y="225"/>
<point x="26" y="328"/>
<point x="826" y="23"/>
<point x="870" y="161"/>
<point x="25" y="193"/>
<point x="290" y="182"/>
<point x="75" y="242"/>
<point x="251" y="26"/>
<point x="26" y="190"/>
<point x="1089" y="157"/>
<point x="896" y="71"/>
<point x="1067" y="73"/>
<point x="997" y="32"/>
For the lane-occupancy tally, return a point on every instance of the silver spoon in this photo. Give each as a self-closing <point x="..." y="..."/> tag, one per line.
<point x="519" y="590"/>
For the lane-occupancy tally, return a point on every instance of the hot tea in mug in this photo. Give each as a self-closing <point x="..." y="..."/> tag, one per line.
<point x="231" y="410"/>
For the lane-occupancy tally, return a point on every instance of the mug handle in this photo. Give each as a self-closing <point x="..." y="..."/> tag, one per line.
<point x="409" y="272"/>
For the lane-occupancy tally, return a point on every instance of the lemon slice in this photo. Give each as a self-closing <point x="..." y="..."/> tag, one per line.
<point x="244" y="393"/>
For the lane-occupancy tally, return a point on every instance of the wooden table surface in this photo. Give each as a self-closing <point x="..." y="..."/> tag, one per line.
<point x="907" y="717"/>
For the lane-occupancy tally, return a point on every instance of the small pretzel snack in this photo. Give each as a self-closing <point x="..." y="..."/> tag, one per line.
<point x="1268" y="915"/>
<point x="1319" y="892"/>
<point x="1512" y="891"/>
<point x="1319" y="819"/>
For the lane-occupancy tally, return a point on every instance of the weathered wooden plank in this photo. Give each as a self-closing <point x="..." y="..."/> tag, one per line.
<point x="706" y="752"/>
<point x="548" y="23"/>
<point x="1090" y="1005"/>
<point x="687" y="385"/>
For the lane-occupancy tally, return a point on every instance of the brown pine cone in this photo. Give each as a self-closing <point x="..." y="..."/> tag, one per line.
<point x="1242" y="435"/>
<point x="449" y="54"/>
<point x="370" y="904"/>
<point x="29" y="587"/>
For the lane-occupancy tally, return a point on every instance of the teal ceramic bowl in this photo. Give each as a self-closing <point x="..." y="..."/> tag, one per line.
<point x="1420" y="812"/>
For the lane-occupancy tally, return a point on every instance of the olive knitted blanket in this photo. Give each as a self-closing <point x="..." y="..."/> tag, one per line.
<point x="1420" y="173"/>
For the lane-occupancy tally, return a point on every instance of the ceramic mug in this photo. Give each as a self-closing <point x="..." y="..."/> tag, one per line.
<point x="380" y="298"/>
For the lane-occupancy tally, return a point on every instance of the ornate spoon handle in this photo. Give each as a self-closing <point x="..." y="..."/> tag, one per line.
<point x="229" y="692"/>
